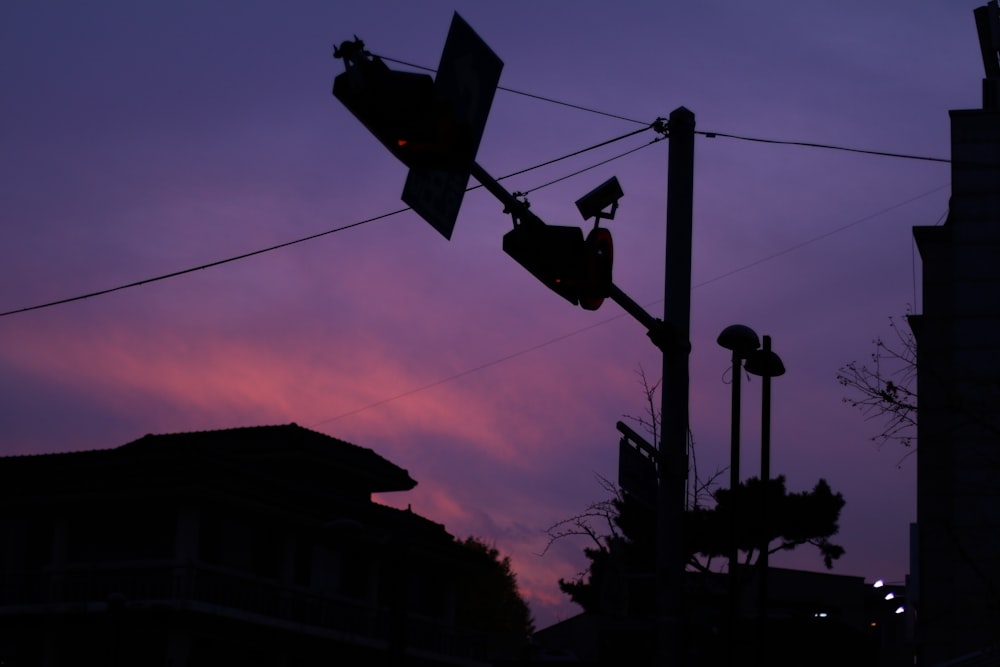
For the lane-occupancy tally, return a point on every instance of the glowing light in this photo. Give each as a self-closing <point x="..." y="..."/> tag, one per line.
<point x="890" y="595"/>
<point x="900" y="609"/>
<point x="820" y="614"/>
<point x="878" y="584"/>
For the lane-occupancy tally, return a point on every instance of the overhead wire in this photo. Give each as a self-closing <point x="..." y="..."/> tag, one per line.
<point x="469" y="371"/>
<point x="811" y="144"/>
<point x="621" y="315"/>
<point x="820" y="237"/>
<point x="311" y="237"/>
<point x="542" y="98"/>
<point x="705" y="133"/>
<point x="181" y="272"/>
<point x="593" y="166"/>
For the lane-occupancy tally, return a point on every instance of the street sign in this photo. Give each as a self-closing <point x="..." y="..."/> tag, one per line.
<point x="464" y="87"/>
<point x="636" y="473"/>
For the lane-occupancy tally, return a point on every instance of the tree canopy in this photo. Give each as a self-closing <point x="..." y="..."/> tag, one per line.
<point x="490" y="601"/>
<point x="628" y="547"/>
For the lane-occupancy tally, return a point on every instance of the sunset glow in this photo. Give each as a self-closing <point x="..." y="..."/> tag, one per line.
<point x="146" y="139"/>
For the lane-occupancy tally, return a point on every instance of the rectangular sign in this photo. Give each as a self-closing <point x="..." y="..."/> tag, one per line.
<point x="636" y="473"/>
<point x="466" y="81"/>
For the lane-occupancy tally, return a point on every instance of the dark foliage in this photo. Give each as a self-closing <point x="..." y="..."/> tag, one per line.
<point x="619" y="560"/>
<point x="489" y="600"/>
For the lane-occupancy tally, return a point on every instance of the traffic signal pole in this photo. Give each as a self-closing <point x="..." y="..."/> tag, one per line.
<point x="554" y="254"/>
<point x="674" y="392"/>
<point x="672" y="335"/>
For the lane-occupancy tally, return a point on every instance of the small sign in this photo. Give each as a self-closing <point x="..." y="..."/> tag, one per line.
<point x="636" y="473"/>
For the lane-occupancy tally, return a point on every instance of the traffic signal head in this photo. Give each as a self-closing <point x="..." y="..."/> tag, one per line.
<point x="576" y="269"/>
<point x="599" y="255"/>
<point x="401" y="110"/>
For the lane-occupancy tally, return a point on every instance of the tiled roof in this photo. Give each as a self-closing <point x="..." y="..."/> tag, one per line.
<point x="288" y="450"/>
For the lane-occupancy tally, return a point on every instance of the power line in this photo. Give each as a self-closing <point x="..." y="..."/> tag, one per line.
<point x="822" y="236"/>
<point x="810" y="144"/>
<point x="192" y="269"/>
<point x="469" y="371"/>
<point x="656" y="124"/>
<point x="531" y="95"/>
<point x="608" y="320"/>
<point x="580" y="152"/>
<point x="594" y="166"/>
<point x="311" y="237"/>
<point x="707" y="134"/>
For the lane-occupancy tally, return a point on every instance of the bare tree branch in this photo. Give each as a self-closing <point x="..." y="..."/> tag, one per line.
<point x="885" y="389"/>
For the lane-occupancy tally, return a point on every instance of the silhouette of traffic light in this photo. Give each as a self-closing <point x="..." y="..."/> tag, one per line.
<point x="401" y="110"/>
<point x="599" y="255"/>
<point x="577" y="269"/>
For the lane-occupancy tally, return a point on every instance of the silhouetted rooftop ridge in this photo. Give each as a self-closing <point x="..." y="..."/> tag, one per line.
<point x="261" y="448"/>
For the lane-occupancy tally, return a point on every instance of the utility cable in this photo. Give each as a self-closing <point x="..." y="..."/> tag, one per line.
<point x="192" y="269"/>
<point x="469" y="371"/>
<point x="311" y="237"/>
<point x="708" y="134"/>
<point x="822" y="236"/>
<point x="619" y="316"/>
<point x="810" y="144"/>
<point x="594" y="166"/>
<point x="580" y="152"/>
<point x="531" y="95"/>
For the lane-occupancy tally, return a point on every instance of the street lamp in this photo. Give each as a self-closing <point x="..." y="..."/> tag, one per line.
<point x="767" y="365"/>
<point x="742" y="341"/>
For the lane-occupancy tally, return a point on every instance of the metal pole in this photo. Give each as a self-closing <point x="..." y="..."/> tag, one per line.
<point x="672" y="489"/>
<point x="734" y="483"/>
<point x="765" y="477"/>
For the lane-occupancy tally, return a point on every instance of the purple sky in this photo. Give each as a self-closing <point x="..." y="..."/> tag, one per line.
<point x="140" y="139"/>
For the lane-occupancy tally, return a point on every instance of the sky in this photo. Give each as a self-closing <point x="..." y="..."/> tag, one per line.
<point x="143" y="139"/>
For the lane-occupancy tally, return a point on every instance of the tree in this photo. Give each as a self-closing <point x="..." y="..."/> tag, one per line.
<point x="885" y="389"/>
<point x="489" y="600"/>
<point x="621" y="530"/>
<point x="628" y="549"/>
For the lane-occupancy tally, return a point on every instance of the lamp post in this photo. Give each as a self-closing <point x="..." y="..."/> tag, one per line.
<point x="767" y="365"/>
<point x="742" y="341"/>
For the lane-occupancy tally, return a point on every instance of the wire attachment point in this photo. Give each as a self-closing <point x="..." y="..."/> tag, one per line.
<point x="351" y="50"/>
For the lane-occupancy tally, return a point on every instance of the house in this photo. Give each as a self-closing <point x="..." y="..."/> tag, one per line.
<point x="246" y="546"/>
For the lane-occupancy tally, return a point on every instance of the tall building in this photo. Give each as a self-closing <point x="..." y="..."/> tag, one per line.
<point x="957" y="570"/>
<point x="248" y="546"/>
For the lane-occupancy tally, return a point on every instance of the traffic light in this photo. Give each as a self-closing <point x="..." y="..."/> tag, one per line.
<point x="401" y="110"/>
<point x="599" y="255"/>
<point x="577" y="269"/>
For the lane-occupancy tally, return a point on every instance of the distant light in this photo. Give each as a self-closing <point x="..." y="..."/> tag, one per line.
<point x="900" y="609"/>
<point x="820" y="614"/>
<point x="878" y="584"/>
<point x="890" y="595"/>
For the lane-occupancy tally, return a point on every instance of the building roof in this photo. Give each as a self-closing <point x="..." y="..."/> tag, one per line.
<point x="287" y="452"/>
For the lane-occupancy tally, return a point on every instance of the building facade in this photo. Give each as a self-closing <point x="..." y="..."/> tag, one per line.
<point x="957" y="565"/>
<point x="249" y="546"/>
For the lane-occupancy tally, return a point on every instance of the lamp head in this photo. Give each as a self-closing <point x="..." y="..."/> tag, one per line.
<point x="764" y="363"/>
<point x="739" y="338"/>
